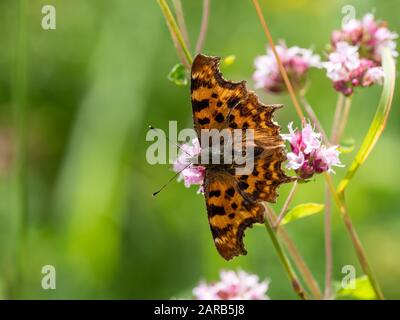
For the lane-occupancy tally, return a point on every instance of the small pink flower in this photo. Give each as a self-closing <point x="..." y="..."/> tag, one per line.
<point x="190" y="173"/>
<point x="308" y="156"/>
<point x="233" y="286"/>
<point x="342" y="62"/>
<point x="305" y="141"/>
<point x="295" y="160"/>
<point x="296" y="61"/>
<point x="373" y="75"/>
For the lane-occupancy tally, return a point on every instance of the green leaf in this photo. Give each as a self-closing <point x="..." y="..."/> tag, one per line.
<point x="178" y="75"/>
<point x="362" y="289"/>
<point x="347" y="146"/>
<point x="379" y="121"/>
<point x="228" y="60"/>
<point x="302" y="210"/>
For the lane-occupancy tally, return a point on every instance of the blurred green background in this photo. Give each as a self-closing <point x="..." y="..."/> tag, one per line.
<point x="94" y="85"/>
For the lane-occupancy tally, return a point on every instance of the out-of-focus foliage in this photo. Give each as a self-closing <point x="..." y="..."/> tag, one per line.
<point x="360" y="289"/>
<point x="96" y="83"/>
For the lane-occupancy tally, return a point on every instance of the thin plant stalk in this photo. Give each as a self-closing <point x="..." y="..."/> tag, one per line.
<point x="294" y="253"/>
<point x="360" y="251"/>
<point x="301" y="265"/>
<point x="178" y="48"/>
<point x="337" y="117"/>
<point x="278" y="60"/>
<point x="286" y="205"/>
<point x="175" y="29"/>
<point x="328" y="244"/>
<point x="297" y="287"/>
<point x="181" y="21"/>
<point x="345" y="118"/>
<point x="203" y="27"/>
<point x="328" y="205"/>
<point x="328" y="212"/>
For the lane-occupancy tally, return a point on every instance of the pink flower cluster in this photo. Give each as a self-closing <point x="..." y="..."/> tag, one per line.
<point x="356" y="57"/>
<point x="296" y="61"/>
<point x="233" y="286"/>
<point x="308" y="155"/>
<point x="189" y="173"/>
<point x="369" y="35"/>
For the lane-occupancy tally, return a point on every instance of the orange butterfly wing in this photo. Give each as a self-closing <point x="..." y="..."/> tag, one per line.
<point x="234" y="201"/>
<point x="212" y="96"/>
<point x="230" y="212"/>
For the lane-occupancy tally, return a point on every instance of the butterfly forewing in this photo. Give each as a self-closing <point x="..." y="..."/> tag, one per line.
<point x="212" y="96"/>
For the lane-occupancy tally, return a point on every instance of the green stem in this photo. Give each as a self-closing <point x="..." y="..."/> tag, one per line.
<point x="345" y="118"/>
<point x="337" y="117"/>
<point x="181" y="21"/>
<point x="361" y="254"/>
<point x="286" y="205"/>
<point x="284" y="260"/>
<point x="300" y="263"/>
<point x="174" y="28"/>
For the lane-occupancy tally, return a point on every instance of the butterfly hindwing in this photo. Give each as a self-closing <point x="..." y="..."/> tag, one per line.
<point x="229" y="213"/>
<point x="267" y="175"/>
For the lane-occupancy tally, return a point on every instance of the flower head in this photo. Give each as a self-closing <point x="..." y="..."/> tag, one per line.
<point x="233" y="286"/>
<point x="296" y="61"/>
<point x="347" y="70"/>
<point x="308" y="155"/>
<point x="355" y="60"/>
<point x="190" y="173"/>
<point x="369" y="35"/>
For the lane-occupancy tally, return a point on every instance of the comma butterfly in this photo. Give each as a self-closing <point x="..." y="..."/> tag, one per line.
<point x="234" y="202"/>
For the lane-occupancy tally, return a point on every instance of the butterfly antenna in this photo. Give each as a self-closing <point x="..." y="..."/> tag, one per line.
<point x="169" y="181"/>
<point x="173" y="143"/>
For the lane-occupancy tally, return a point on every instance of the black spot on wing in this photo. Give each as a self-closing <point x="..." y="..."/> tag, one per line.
<point x="200" y="105"/>
<point x="197" y="83"/>
<point x="232" y="102"/>
<point x="230" y="192"/>
<point x="243" y="185"/>
<point x="214" y="210"/>
<point x="219" y="117"/>
<point x="220" y="232"/>
<point x="203" y="121"/>
<point x="215" y="193"/>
